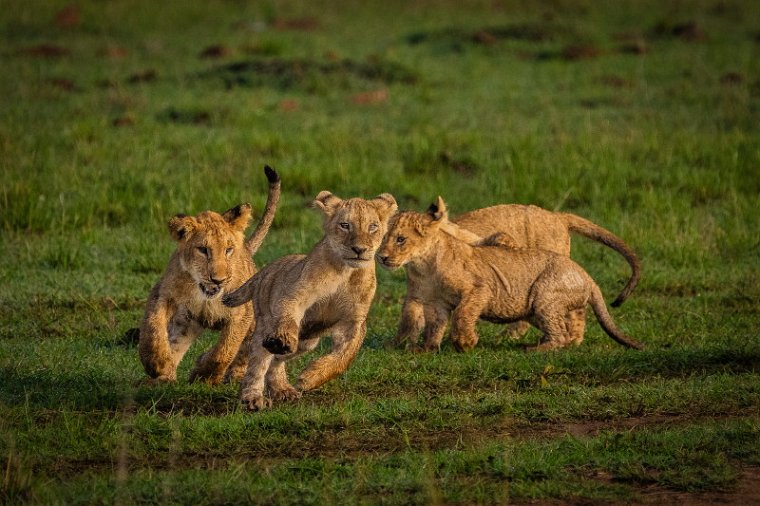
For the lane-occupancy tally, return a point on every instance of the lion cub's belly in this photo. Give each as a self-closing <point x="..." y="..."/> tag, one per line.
<point x="328" y="311"/>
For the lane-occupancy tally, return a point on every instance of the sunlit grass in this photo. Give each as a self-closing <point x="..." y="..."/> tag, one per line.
<point x="639" y="116"/>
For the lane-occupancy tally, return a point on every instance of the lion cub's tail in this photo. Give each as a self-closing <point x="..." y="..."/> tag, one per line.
<point x="594" y="232"/>
<point x="605" y="320"/>
<point x="253" y="242"/>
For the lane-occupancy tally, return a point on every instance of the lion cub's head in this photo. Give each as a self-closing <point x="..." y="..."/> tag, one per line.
<point x="354" y="228"/>
<point x="211" y="248"/>
<point x="411" y="235"/>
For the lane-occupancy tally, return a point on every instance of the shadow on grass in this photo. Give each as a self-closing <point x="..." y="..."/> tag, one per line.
<point x="49" y="389"/>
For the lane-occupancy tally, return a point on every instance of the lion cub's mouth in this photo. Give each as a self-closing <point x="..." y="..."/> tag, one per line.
<point x="210" y="290"/>
<point x="387" y="263"/>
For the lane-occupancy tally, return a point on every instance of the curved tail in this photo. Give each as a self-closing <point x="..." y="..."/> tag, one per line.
<point x="606" y="322"/>
<point x="594" y="232"/>
<point x="253" y="242"/>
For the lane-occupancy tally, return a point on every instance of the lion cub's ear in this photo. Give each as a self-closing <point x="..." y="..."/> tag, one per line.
<point x="385" y="204"/>
<point x="437" y="210"/>
<point x="326" y="202"/>
<point x="182" y="226"/>
<point x="238" y="217"/>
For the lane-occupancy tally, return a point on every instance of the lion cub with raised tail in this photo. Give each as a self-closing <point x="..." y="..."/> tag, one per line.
<point x="491" y="281"/>
<point x="521" y="227"/>
<point x="300" y="298"/>
<point x="212" y="258"/>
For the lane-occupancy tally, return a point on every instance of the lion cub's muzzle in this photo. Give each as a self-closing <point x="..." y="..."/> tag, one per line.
<point x="386" y="262"/>
<point x="211" y="289"/>
<point x="359" y="255"/>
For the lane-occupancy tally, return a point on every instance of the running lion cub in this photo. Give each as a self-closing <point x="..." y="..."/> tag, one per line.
<point x="491" y="281"/>
<point x="212" y="258"/>
<point x="300" y="298"/>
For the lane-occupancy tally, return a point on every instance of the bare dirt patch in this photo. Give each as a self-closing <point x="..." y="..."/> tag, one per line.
<point x="68" y="17"/>
<point x="746" y="492"/>
<point x="44" y="51"/>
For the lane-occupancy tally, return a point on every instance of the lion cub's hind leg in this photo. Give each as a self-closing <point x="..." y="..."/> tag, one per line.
<point x="554" y="322"/>
<point x="576" y="323"/>
<point x="252" y="386"/>
<point x="436" y="319"/>
<point x="516" y="330"/>
<point x="278" y="385"/>
<point x="236" y="369"/>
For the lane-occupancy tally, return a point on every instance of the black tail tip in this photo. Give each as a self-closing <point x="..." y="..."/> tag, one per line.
<point x="618" y="302"/>
<point x="272" y="174"/>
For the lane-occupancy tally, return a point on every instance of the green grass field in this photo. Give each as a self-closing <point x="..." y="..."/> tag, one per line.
<point x="642" y="116"/>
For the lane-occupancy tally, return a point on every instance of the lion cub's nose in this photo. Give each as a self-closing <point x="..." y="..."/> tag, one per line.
<point x="217" y="281"/>
<point x="383" y="259"/>
<point x="358" y="250"/>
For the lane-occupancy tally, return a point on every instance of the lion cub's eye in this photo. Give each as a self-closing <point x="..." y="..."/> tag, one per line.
<point x="228" y="251"/>
<point x="373" y="227"/>
<point x="345" y="226"/>
<point x="400" y="240"/>
<point x="203" y="250"/>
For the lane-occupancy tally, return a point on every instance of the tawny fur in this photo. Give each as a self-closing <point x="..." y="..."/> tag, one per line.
<point x="212" y="258"/>
<point x="493" y="282"/>
<point x="521" y="227"/>
<point x="300" y="298"/>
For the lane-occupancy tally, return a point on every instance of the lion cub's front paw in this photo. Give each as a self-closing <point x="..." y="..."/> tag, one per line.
<point x="255" y="402"/>
<point x="463" y="345"/>
<point x="284" y="341"/>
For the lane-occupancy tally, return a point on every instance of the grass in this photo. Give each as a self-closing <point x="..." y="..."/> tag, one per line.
<point x="641" y="116"/>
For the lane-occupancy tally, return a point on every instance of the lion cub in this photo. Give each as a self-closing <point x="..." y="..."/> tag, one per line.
<point x="211" y="259"/>
<point x="300" y="298"/>
<point x="492" y="282"/>
<point x="521" y="227"/>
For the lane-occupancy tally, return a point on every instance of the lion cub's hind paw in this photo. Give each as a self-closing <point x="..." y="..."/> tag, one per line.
<point x="256" y="403"/>
<point x="285" y="394"/>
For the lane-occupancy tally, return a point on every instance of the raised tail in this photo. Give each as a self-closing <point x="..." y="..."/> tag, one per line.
<point x="253" y="242"/>
<point x="606" y="322"/>
<point x="593" y="231"/>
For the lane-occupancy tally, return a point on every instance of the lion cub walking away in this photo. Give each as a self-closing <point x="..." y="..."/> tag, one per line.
<point x="211" y="259"/>
<point x="300" y="298"/>
<point x="492" y="282"/>
<point x="521" y="227"/>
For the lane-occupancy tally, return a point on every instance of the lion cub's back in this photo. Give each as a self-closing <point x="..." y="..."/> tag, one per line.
<point x="526" y="226"/>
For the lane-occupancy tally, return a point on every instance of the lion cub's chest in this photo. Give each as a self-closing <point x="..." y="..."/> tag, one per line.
<point x="208" y="313"/>
<point x="343" y="298"/>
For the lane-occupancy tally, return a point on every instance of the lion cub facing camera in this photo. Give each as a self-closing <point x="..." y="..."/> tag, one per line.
<point x="490" y="281"/>
<point x="212" y="258"/>
<point x="298" y="299"/>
